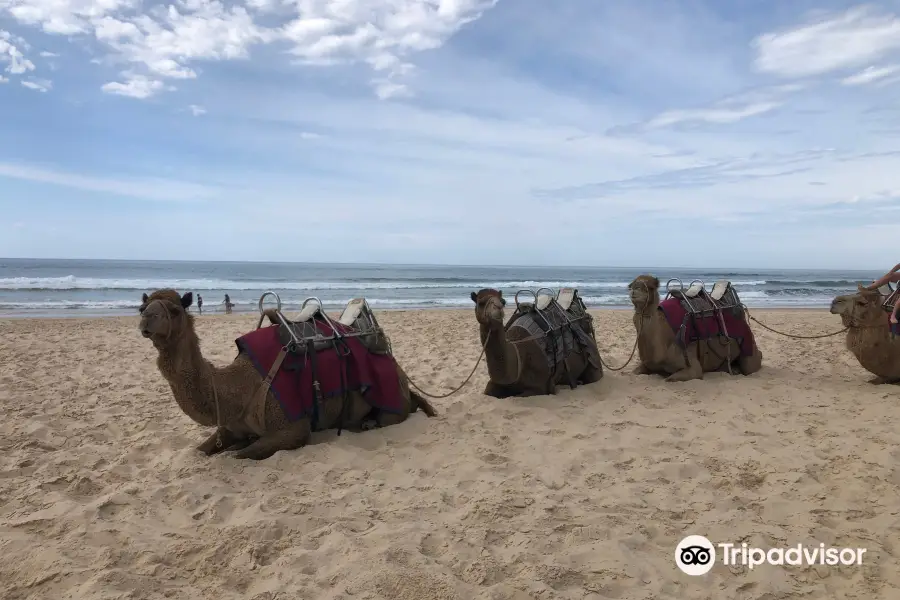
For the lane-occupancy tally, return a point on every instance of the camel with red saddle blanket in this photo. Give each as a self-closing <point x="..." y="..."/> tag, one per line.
<point x="288" y="379"/>
<point x="869" y="336"/>
<point x="691" y="332"/>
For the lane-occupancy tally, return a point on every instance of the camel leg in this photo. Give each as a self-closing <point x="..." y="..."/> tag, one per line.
<point x="496" y="390"/>
<point x="228" y="439"/>
<point x="591" y="374"/>
<point x="883" y="381"/>
<point x="694" y="370"/>
<point x="750" y="364"/>
<point x="241" y="444"/>
<point x="641" y="369"/>
<point x="296" y="435"/>
<point x="386" y="419"/>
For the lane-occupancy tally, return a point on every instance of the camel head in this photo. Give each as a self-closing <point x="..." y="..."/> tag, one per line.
<point x="489" y="307"/>
<point x="861" y="308"/>
<point x="164" y="316"/>
<point x="644" y="292"/>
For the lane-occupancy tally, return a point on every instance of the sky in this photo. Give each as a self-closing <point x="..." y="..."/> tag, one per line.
<point x="747" y="133"/>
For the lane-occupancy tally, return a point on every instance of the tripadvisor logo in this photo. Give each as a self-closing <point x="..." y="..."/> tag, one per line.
<point x="696" y="555"/>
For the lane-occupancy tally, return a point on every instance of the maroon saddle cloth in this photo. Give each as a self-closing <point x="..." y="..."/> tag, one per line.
<point x="702" y="328"/>
<point x="345" y="366"/>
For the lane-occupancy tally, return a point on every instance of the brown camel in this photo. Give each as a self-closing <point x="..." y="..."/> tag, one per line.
<point x="660" y="352"/>
<point x="520" y="368"/>
<point x="253" y="424"/>
<point x="869" y="337"/>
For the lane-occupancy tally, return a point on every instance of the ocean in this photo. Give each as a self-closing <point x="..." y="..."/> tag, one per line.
<point x="30" y="287"/>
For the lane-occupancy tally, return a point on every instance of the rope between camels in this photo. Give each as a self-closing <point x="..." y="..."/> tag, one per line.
<point x="790" y="335"/>
<point x="463" y="384"/>
<point x="636" y="338"/>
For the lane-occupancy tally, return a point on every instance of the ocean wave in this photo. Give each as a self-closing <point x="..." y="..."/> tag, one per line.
<point x="73" y="283"/>
<point x="337" y="304"/>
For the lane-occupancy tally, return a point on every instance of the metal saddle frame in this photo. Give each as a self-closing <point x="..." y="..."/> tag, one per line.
<point x="700" y="303"/>
<point x="298" y="333"/>
<point x="548" y="303"/>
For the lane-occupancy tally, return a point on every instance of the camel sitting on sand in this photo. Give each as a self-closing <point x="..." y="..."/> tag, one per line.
<point x="256" y="425"/>
<point x="658" y="345"/>
<point x="518" y="366"/>
<point x="869" y="336"/>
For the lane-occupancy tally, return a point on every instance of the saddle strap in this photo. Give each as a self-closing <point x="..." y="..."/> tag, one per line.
<point x="258" y="420"/>
<point x="317" y="387"/>
<point x="682" y="337"/>
<point x="345" y="405"/>
<point x="562" y="338"/>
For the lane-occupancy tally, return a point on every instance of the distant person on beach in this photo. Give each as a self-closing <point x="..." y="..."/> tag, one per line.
<point x="200" y="303"/>
<point x="228" y="305"/>
<point x="891" y="277"/>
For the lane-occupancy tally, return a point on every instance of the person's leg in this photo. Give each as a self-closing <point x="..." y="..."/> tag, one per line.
<point x="894" y="312"/>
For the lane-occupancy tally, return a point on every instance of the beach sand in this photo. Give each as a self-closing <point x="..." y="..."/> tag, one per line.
<point x="581" y="495"/>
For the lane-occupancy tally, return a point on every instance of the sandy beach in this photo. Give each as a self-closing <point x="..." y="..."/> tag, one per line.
<point x="584" y="495"/>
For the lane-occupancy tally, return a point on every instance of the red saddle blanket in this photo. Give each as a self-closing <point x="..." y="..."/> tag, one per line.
<point x="701" y="328"/>
<point x="374" y="375"/>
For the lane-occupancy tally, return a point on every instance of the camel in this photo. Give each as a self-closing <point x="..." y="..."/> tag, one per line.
<point x="228" y="398"/>
<point x="869" y="335"/>
<point x="519" y="368"/>
<point x="658" y="348"/>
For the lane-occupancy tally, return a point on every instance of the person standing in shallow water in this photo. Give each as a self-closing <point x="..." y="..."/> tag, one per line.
<point x="228" y="305"/>
<point x="200" y="303"/>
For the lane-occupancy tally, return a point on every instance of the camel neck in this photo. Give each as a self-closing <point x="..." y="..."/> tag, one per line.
<point x="651" y="310"/>
<point x="190" y="377"/>
<point x="501" y="357"/>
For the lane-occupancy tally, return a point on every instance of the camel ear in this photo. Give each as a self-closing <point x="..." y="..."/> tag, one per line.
<point x="474" y="297"/>
<point x="656" y="282"/>
<point x="502" y="300"/>
<point x="144" y="298"/>
<point x="187" y="300"/>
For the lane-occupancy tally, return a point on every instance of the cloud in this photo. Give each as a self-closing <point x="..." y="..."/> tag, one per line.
<point x="731" y="109"/>
<point x="712" y="115"/>
<point x="11" y="56"/>
<point x="46" y="54"/>
<point x="702" y="175"/>
<point x="147" y="188"/>
<point x="508" y="122"/>
<point x="850" y="39"/>
<point x="871" y="74"/>
<point x="40" y="85"/>
<point x="135" y="86"/>
<point x="161" y="42"/>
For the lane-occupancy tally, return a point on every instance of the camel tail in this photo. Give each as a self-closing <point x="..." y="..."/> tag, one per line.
<point x="419" y="401"/>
